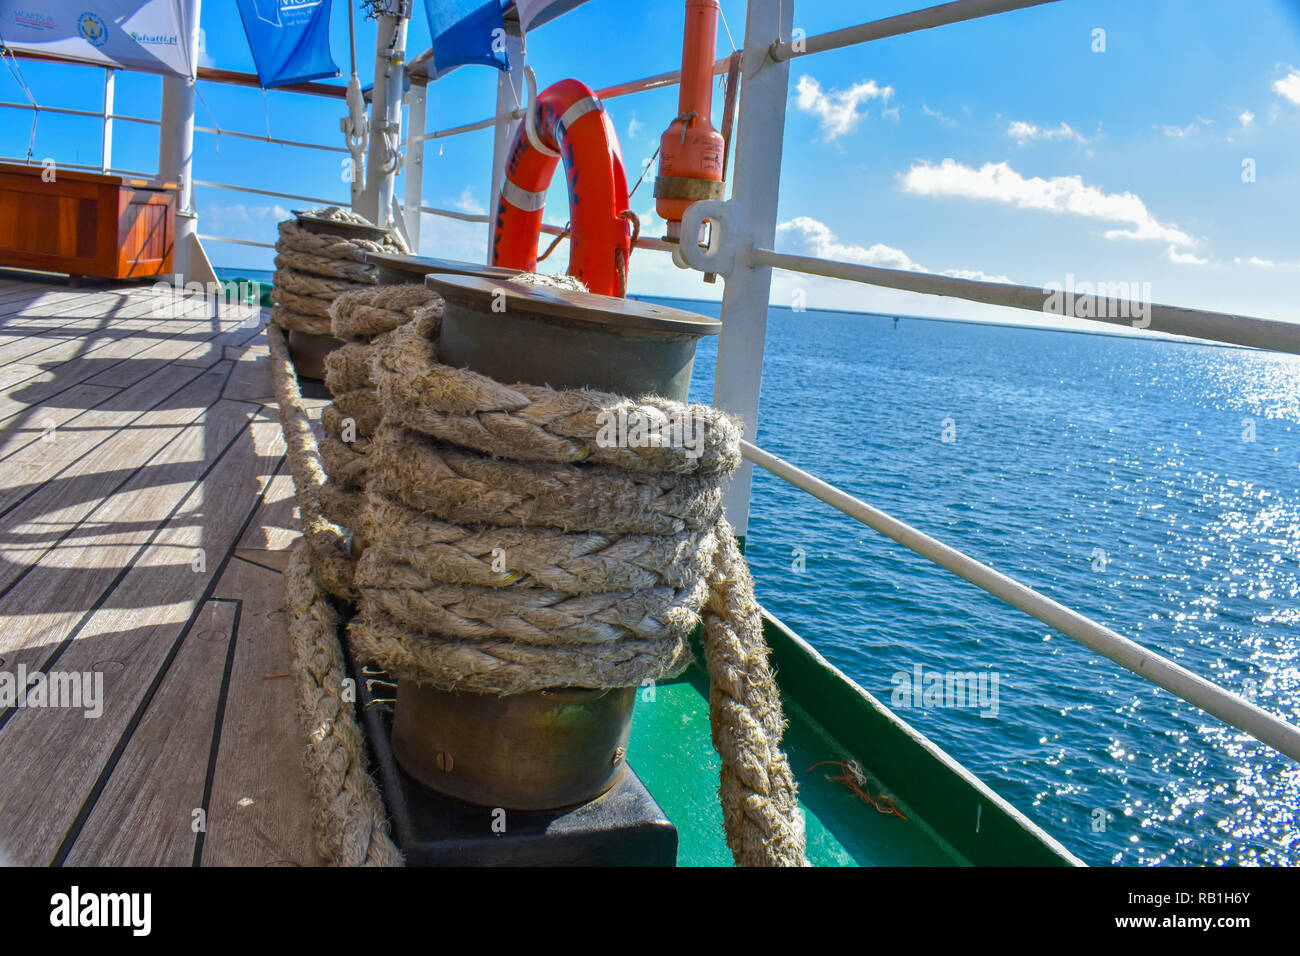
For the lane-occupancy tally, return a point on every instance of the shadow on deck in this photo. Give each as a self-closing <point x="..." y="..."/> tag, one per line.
<point x="145" y="513"/>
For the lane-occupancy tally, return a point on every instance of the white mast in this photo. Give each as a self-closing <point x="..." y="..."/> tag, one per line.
<point x="385" y="157"/>
<point x="176" y="148"/>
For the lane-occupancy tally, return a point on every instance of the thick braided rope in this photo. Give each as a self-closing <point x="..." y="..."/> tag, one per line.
<point x="351" y="825"/>
<point x="366" y="312"/>
<point x="312" y="269"/>
<point x="532" y="423"/>
<point x="300" y="283"/>
<point x="437" y="615"/>
<point x="328" y="545"/>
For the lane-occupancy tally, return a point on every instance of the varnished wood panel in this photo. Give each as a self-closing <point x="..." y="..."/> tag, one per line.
<point x="84" y="224"/>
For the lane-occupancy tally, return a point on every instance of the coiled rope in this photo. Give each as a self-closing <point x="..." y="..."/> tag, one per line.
<point x="313" y="269"/>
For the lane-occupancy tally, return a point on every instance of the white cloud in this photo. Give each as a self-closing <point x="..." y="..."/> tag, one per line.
<point x="634" y="127"/>
<point x="1182" y="132"/>
<point x="1289" y="86"/>
<point x="838" y="110"/>
<point x="1185" y="258"/>
<point x="1065" y="195"/>
<point x="1023" y="132"/>
<point x="817" y="237"/>
<point x="1265" y="263"/>
<point x="239" y="212"/>
<point x="466" y="202"/>
<point x="945" y="120"/>
<point x="1246" y="118"/>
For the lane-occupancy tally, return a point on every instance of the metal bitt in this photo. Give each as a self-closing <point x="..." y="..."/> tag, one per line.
<point x="394" y="268"/>
<point x="562" y="746"/>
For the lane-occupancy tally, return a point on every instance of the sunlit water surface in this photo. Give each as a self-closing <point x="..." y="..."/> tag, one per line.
<point x="1117" y="476"/>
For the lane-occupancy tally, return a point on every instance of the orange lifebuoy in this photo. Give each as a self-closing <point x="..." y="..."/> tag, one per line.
<point x="569" y="121"/>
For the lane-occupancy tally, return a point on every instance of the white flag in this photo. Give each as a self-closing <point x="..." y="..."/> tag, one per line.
<point x="146" y="35"/>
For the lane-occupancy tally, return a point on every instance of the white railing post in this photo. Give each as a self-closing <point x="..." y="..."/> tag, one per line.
<point x="176" y="147"/>
<point x="756" y="178"/>
<point x="384" y="158"/>
<point x="510" y="96"/>
<point x="417" y="110"/>
<point x="106" y="149"/>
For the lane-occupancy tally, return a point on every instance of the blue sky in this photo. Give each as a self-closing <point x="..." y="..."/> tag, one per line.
<point x="1001" y="148"/>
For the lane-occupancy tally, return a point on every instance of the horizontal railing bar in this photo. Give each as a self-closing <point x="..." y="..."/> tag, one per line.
<point x="1230" y="708"/>
<point x="250" y="80"/>
<point x="267" y="192"/>
<point x="1270" y="334"/>
<point x="454" y="214"/>
<point x="206" y="73"/>
<point x="269" y="139"/>
<point x="238" y="242"/>
<point x="71" y="112"/>
<point x="916" y="20"/>
<point x="658" y="81"/>
<point x="606" y="93"/>
<point x="471" y="127"/>
<point x="642" y="242"/>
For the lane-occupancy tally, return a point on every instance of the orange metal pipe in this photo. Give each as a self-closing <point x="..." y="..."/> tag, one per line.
<point x="691" y="148"/>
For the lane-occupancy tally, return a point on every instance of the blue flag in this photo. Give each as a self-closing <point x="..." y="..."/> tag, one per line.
<point x="290" y="39"/>
<point x="466" y="31"/>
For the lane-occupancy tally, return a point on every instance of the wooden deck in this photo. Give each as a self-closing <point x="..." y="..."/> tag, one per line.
<point x="145" y="513"/>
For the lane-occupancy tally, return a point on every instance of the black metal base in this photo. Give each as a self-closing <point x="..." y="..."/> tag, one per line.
<point x="622" y="827"/>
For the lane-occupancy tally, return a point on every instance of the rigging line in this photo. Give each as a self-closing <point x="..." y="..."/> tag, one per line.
<point x="730" y="39"/>
<point x="643" y="174"/>
<point x="206" y="109"/>
<point x="352" y="37"/>
<point x="16" y="72"/>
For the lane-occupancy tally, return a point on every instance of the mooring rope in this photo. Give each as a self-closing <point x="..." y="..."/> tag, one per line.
<point x="509" y="547"/>
<point x="351" y="826"/>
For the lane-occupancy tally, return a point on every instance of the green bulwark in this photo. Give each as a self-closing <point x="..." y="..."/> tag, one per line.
<point x="952" y="819"/>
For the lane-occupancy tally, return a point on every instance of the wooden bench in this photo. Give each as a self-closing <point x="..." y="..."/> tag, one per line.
<point x="85" y="224"/>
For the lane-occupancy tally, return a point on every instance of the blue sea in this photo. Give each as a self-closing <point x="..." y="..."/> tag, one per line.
<point x="1152" y="485"/>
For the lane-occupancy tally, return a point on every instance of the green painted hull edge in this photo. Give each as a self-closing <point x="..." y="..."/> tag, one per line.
<point x="959" y="808"/>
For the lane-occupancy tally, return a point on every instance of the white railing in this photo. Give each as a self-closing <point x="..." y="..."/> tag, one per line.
<point x="1211" y="698"/>
<point x="742" y="232"/>
<point x="107" y="117"/>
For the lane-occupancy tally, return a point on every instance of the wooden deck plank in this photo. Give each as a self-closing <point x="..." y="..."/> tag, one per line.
<point x="151" y="612"/>
<point x="34" y="332"/>
<point x="86" y="424"/>
<point x="60" y="568"/>
<point x="164" y="450"/>
<point x="259" y="812"/>
<point x="145" y="815"/>
<point x="44" y="421"/>
<point x="112" y="363"/>
<point x="98" y="469"/>
<point x="142" y="323"/>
